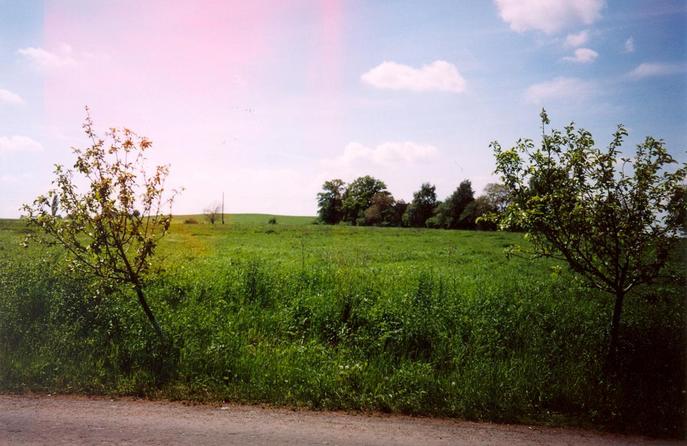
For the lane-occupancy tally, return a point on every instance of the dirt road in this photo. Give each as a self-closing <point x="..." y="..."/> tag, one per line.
<point x="62" y="420"/>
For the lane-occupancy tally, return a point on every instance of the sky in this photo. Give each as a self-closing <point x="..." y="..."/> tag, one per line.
<point x="265" y="100"/>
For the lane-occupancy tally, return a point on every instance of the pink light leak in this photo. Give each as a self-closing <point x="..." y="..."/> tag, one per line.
<point x="331" y="44"/>
<point x="207" y="81"/>
<point x="135" y="59"/>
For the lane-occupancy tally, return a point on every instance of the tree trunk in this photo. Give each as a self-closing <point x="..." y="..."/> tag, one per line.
<point x="615" y="326"/>
<point x="148" y="311"/>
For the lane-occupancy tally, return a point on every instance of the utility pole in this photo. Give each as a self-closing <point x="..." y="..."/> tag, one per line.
<point x="222" y="207"/>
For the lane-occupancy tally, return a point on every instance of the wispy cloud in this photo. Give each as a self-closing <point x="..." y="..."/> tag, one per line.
<point x="7" y="97"/>
<point x="656" y="69"/>
<point x="48" y="60"/>
<point x="388" y="154"/>
<point x="18" y="143"/>
<point x="549" y="16"/>
<point x="577" y="40"/>
<point x="582" y="55"/>
<point x="437" y="76"/>
<point x="557" y="89"/>
<point x="629" y="45"/>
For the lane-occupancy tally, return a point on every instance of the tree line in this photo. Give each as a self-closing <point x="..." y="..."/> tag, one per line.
<point x="367" y="202"/>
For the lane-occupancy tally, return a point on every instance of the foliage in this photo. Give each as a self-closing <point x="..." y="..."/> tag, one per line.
<point x="474" y="213"/>
<point x="382" y="211"/>
<point x="112" y="228"/>
<point x="330" y="201"/>
<point x="422" y="206"/>
<point x="451" y="214"/>
<point x="497" y="196"/>
<point x="213" y="212"/>
<point x="612" y="218"/>
<point x="358" y="197"/>
<point x="400" y="209"/>
<point x="337" y="203"/>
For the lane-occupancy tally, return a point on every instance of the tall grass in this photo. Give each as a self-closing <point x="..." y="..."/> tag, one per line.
<point x="419" y="322"/>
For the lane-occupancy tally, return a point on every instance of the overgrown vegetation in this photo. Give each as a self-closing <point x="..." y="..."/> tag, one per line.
<point x="405" y="320"/>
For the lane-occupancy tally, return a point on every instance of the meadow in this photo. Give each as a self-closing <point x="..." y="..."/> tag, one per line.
<point x="418" y="321"/>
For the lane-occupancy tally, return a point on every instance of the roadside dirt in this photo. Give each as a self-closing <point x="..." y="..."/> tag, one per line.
<point x="69" y="420"/>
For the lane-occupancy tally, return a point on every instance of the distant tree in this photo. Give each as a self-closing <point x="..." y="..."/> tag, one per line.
<point x="432" y="223"/>
<point x="497" y="195"/>
<point x="422" y="206"/>
<point x="358" y="197"/>
<point x="399" y="210"/>
<point x="382" y="210"/>
<point x="330" y="201"/>
<point x="478" y="208"/>
<point x="54" y="206"/>
<point x="613" y="219"/>
<point x="111" y="229"/>
<point x="494" y="202"/>
<point x="451" y="214"/>
<point x="213" y="213"/>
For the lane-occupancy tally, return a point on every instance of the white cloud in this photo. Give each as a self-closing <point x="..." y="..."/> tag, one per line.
<point x="583" y="55"/>
<point x="630" y="45"/>
<point x="577" y="40"/>
<point x="549" y="16"/>
<point x="19" y="143"/>
<point x="7" y="97"/>
<point x="386" y="154"/>
<point x="569" y="88"/>
<point x="655" y="69"/>
<point x="48" y="60"/>
<point x="439" y="76"/>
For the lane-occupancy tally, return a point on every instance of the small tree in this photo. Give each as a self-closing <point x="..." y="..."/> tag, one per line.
<point x="497" y="196"/>
<point x="111" y="228"/>
<point x="330" y="201"/>
<point x="451" y="212"/>
<point x="358" y="197"/>
<point x="476" y="213"/>
<point x="613" y="219"/>
<point x="423" y="205"/>
<point x="400" y="208"/>
<point x="382" y="210"/>
<point x="213" y="213"/>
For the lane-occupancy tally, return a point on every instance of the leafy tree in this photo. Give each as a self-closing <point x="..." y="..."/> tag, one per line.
<point x="497" y="195"/>
<point x="423" y="205"/>
<point x="382" y="210"/>
<point x="213" y="212"/>
<point x="111" y="228"/>
<point x="358" y="197"/>
<point x="478" y="208"/>
<point x="451" y="212"/>
<point x="330" y="201"/>
<point x="399" y="211"/>
<point x="613" y="219"/>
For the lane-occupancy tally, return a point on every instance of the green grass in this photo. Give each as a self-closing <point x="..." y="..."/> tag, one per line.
<point x="338" y="317"/>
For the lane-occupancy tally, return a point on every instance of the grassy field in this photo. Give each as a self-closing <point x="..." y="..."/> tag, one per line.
<point x="337" y="317"/>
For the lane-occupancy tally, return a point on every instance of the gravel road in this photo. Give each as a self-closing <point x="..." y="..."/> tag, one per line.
<point x="69" y="420"/>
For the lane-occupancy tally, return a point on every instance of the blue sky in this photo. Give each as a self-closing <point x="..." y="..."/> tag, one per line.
<point x="266" y="101"/>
